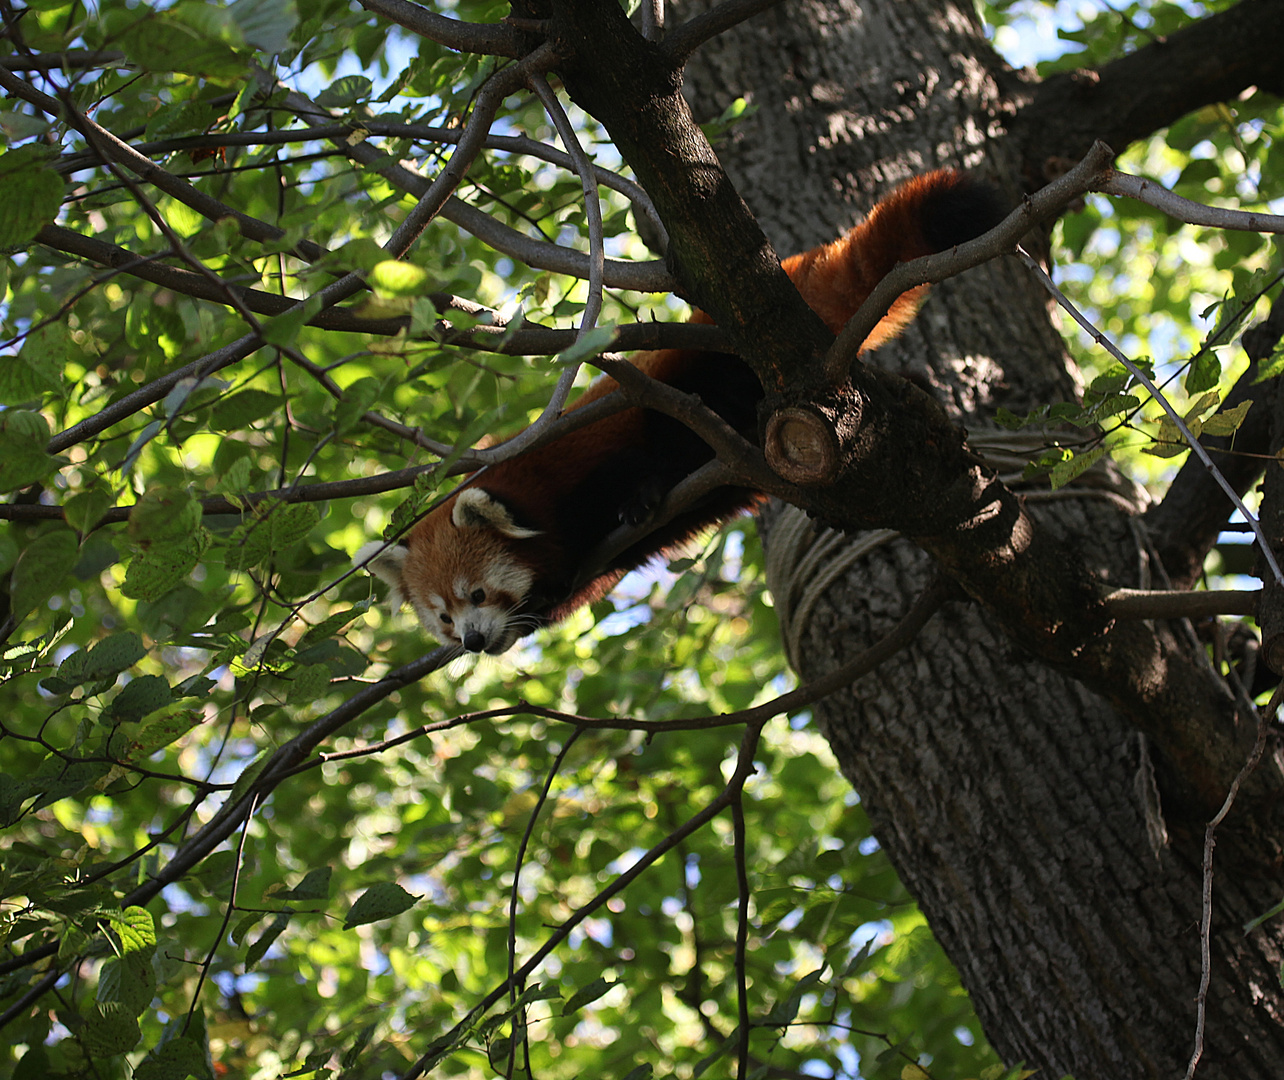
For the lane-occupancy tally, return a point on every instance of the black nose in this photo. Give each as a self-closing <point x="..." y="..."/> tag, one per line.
<point x="474" y="642"/>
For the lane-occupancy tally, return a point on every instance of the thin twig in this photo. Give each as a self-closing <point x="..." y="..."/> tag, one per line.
<point x="227" y="915"/>
<point x="1265" y="719"/>
<point x="592" y="207"/>
<point x="651" y="276"/>
<point x="1136" y="372"/>
<point x="745" y="767"/>
<point x="742" y="935"/>
<point x="513" y="984"/>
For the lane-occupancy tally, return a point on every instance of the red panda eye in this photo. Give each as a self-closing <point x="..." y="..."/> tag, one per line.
<point x="446" y="619"/>
<point x="478" y="595"/>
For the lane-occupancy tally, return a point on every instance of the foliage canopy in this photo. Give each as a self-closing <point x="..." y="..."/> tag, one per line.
<point x="160" y="660"/>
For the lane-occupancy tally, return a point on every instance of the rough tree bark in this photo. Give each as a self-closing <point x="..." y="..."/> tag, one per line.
<point x="1019" y="806"/>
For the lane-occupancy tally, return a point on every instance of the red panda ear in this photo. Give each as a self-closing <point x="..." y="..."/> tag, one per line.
<point x="476" y="509"/>
<point x="385" y="561"/>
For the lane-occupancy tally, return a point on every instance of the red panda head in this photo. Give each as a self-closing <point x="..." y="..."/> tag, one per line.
<point x="460" y="572"/>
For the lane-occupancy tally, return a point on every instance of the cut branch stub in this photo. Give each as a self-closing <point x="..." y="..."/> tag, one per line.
<point x="802" y="446"/>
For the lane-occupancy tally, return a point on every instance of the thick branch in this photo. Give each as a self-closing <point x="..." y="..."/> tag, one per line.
<point x="903" y="464"/>
<point x="633" y="88"/>
<point x="1213" y="59"/>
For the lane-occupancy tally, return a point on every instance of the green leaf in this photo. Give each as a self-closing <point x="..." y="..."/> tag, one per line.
<point x="41" y="570"/>
<point x="32" y="194"/>
<point x="23" y="435"/>
<point x="1075" y="467"/>
<point x="393" y="278"/>
<point x="159" y="732"/>
<point x="140" y="696"/>
<point x="284" y="329"/>
<point x="128" y="980"/>
<point x="276" y="528"/>
<point x="82" y="512"/>
<point x="357" y="400"/>
<point x="134" y="928"/>
<point x="332" y="625"/>
<point x="110" y="1029"/>
<point x="379" y="902"/>
<point x="314" y="886"/>
<point x="586" y="995"/>
<point x="38" y="367"/>
<point x="596" y="341"/>
<point x="185" y="38"/>
<point x="163" y="566"/>
<point x="176" y="1059"/>
<point x="345" y="92"/>
<point x="1205" y="371"/>
<point x="307" y="683"/>
<point x="1265" y="916"/>
<point x="246" y="779"/>
<point x="111" y="656"/>
<point x="241" y="410"/>
<point x="164" y="514"/>
<point x="1228" y="421"/>
<point x="1273" y="366"/>
<point x="274" y="930"/>
<point x="266" y="24"/>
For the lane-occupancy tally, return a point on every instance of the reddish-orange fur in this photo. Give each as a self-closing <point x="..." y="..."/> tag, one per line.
<point x="539" y="516"/>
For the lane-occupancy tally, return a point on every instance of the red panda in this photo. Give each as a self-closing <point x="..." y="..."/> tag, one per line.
<point x="503" y="555"/>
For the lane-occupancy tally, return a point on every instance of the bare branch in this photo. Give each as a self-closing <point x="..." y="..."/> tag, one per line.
<point x="71" y="60"/>
<point x="1187" y="210"/>
<point x="592" y="208"/>
<point x="1036" y="209"/>
<point x="682" y="41"/>
<point x="488" y="39"/>
<point x="652" y="12"/>
<point x="1176" y="604"/>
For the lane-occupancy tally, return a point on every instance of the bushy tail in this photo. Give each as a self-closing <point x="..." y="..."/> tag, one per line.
<point x="927" y="214"/>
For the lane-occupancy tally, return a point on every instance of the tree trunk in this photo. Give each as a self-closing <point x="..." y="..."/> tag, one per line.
<point x="1060" y="872"/>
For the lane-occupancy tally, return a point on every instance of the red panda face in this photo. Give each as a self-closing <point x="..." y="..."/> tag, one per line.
<point x="459" y="571"/>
